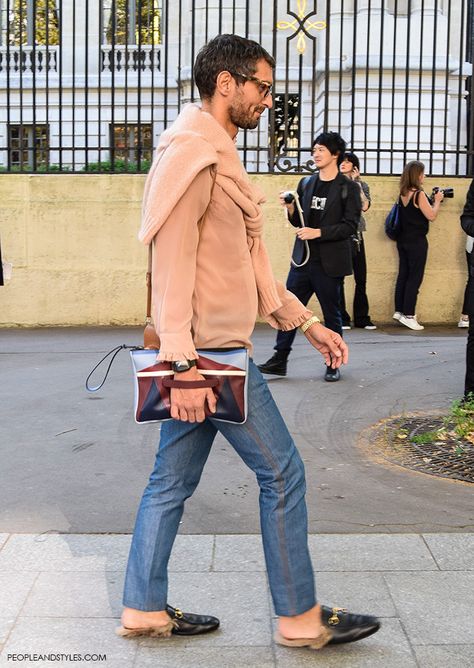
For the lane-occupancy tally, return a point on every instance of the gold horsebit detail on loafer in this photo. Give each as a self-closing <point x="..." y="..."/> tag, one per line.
<point x="334" y="619"/>
<point x="178" y="613"/>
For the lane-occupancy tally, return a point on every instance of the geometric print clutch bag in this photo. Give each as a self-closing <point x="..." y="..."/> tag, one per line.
<point x="225" y="370"/>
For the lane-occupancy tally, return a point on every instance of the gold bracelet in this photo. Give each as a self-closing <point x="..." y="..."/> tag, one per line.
<point x="306" y="325"/>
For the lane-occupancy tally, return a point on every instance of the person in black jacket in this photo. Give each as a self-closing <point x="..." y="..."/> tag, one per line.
<point x="350" y="166"/>
<point x="322" y="254"/>
<point x="467" y="224"/>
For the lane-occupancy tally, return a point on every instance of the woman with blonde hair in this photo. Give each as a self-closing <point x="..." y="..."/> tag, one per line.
<point x="416" y="212"/>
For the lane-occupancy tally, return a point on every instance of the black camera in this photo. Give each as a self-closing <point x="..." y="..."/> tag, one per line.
<point x="288" y="197"/>
<point x="447" y="192"/>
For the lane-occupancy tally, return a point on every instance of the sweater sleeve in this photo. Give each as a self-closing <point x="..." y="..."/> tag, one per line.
<point x="174" y="271"/>
<point x="292" y="313"/>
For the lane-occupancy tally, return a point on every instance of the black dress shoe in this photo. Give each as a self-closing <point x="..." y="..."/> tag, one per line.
<point x="189" y="624"/>
<point x="332" y="375"/>
<point x="276" y="365"/>
<point x="346" y="627"/>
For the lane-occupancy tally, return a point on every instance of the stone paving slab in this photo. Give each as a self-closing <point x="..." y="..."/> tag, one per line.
<point x="67" y="636"/>
<point x="388" y="648"/>
<point x="93" y="553"/>
<point x="6" y="624"/>
<point x="452" y="552"/>
<point x="239" y="553"/>
<point x="379" y="552"/>
<point x="63" y="552"/>
<point x="435" y="608"/>
<point x="204" y="657"/>
<point x="445" y="656"/>
<point x="78" y="595"/>
<point x="14" y="589"/>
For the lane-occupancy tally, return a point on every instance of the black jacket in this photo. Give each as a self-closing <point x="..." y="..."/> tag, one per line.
<point x="467" y="224"/>
<point x="339" y="221"/>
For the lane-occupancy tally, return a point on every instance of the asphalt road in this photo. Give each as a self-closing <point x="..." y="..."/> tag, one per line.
<point x="75" y="462"/>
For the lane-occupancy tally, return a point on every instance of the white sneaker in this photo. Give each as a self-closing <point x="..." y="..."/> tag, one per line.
<point x="346" y="327"/>
<point x="371" y="326"/>
<point x="463" y="321"/>
<point x="397" y="315"/>
<point x="411" y="322"/>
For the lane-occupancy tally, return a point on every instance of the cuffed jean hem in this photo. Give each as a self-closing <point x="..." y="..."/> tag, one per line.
<point x="151" y="607"/>
<point x="303" y="606"/>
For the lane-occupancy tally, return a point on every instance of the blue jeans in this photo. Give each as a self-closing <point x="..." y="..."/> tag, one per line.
<point x="266" y="446"/>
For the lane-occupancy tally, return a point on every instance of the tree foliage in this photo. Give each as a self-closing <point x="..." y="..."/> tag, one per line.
<point x="147" y="29"/>
<point x="43" y="14"/>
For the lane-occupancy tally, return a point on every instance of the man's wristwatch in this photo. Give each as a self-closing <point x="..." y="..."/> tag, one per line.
<point x="183" y="365"/>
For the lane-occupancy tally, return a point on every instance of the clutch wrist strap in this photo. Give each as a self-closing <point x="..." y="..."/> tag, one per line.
<point x="311" y="321"/>
<point x="190" y="384"/>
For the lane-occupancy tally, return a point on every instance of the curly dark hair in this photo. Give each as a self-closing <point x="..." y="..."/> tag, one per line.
<point x="334" y="143"/>
<point x="230" y="53"/>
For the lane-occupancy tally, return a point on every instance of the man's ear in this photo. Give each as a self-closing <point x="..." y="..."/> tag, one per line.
<point x="225" y="83"/>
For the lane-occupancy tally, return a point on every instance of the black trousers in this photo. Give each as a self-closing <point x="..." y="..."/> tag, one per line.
<point x="306" y="281"/>
<point x="468" y="309"/>
<point x="465" y="307"/>
<point x="469" y="379"/>
<point x="412" y="255"/>
<point x="361" y="303"/>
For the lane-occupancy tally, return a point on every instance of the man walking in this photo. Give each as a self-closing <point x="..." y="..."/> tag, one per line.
<point x="210" y="275"/>
<point x="331" y="209"/>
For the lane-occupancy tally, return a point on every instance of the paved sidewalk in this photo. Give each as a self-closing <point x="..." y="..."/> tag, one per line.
<point x="60" y="594"/>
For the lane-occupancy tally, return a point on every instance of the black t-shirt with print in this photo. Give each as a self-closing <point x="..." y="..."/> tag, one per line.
<point x="318" y="204"/>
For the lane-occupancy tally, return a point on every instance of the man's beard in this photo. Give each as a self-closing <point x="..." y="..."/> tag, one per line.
<point x="242" y="117"/>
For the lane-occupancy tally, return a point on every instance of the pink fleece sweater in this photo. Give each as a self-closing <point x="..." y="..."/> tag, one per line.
<point x="210" y="276"/>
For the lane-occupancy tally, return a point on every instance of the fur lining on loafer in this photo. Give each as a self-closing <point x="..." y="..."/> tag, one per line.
<point x="149" y="631"/>
<point x="311" y="643"/>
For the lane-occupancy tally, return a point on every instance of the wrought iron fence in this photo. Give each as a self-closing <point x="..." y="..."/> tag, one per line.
<point x="88" y="85"/>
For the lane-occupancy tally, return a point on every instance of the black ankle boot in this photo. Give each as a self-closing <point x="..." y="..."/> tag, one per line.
<point x="276" y="364"/>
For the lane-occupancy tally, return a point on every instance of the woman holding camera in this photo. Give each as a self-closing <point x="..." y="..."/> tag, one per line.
<point x="416" y="212"/>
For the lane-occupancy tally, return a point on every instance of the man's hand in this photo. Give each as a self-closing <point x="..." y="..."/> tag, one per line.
<point x="305" y="233"/>
<point x="189" y="405"/>
<point x="330" y="344"/>
<point x="290" y="206"/>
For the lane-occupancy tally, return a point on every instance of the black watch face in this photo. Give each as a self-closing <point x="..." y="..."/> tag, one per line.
<point x="182" y="365"/>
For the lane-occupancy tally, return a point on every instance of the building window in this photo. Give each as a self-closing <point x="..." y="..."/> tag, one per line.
<point x="29" y="22"/>
<point x="132" y="143"/>
<point x="28" y="146"/>
<point x="131" y="22"/>
<point x="287" y="124"/>
<point x="398" y="7"/>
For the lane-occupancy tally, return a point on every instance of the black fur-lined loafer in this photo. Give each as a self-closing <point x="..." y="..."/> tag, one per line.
<point x="347" y="627"/>
<point x="190" y="624"/>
